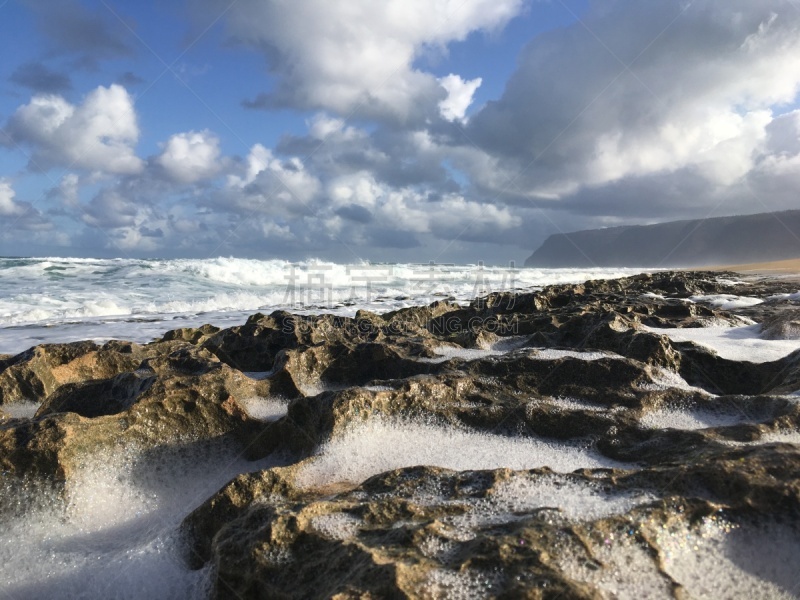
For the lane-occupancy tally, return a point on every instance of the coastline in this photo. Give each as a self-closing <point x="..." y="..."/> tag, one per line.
<point x="789" y="267"/>
<point x="498" y="447"/>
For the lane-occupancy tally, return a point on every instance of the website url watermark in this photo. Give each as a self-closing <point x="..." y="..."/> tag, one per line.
<point x="326" y="285"/>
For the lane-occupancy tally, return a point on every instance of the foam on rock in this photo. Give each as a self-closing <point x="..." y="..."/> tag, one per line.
<point x="690" y="419"/>
<point x="709" y="560"/>
<point x="115" y="531"/>
<point x="445" y="353"/>
<point x="459" y="585"/>
<point x="572" y="404"/>
<point x="380" y="445"/>
<point x="772" y="437"/>
<point x="521" y="495"/>
<point x="555" y="354"/>
<point x="20" y="410"/>
<point x="727" y="301"/>
<point x="265" y="409"/>
<point x="734" y="343"/>
<point x="336" y="526"/>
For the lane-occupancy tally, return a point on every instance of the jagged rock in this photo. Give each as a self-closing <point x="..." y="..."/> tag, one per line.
<point x="782" y="326"/>
<point x="98" y="397"/>
<point x="36" y="373"/>
<point x="693" y="440"/>
<point x="427" y="532"/>
<point x="193" y="335"/>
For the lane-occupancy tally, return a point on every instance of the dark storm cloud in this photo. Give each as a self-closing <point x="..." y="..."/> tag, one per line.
<point x="40" y="78"/>
<point x="356" y="213"/>
<point x="91" y="36"/>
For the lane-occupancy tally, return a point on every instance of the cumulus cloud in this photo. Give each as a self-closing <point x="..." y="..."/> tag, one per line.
<point x="9" y="208"/>
<point x="365" y="201"/>
<point x="269" y="183"/>
<point x="191" y="157"/>
<point x="459" y="96"/>
<point x="110" y="209"/>
<point x="641" y="112"/>
<point x="21" y="216"/>
<point x="357" y="55"/>
<point x="638" y="90"/>
<point x="98" y="135"/>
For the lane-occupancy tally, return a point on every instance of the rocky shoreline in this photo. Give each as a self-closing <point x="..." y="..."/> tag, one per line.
<point x="548" y="444"/>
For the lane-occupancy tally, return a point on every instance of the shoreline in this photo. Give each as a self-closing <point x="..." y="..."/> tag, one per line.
<point x="790" y="267"/>
<point x="266" y="452"/>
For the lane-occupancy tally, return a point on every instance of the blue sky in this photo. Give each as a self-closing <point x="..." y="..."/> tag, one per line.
<point x="443" y="130"/>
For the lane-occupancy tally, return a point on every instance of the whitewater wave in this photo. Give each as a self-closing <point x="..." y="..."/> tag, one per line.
<point x="62" y="299"/>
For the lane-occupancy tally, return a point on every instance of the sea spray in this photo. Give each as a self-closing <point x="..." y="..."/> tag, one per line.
<point x="113" y="530"/>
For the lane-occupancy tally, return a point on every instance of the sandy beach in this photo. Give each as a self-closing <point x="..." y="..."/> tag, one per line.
<point x="779" y="267"/>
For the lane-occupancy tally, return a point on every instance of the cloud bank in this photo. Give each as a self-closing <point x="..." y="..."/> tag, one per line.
<point x="633" y="113"/>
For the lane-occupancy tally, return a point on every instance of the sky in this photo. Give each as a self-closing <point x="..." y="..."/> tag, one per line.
<point x="396" y="130"/>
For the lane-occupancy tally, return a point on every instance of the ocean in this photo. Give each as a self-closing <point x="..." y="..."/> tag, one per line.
<point x="48" y="300"/>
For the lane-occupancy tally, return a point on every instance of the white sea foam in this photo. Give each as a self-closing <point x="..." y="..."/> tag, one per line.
<point x="772" y="437"/>
<point x="733" y="343"/>
<point x="664" y="379"/>
<point x="712" y="559"/>
<point x="379" y="445"/>
<point x="794" y="296"/>
<point x="466" y="584"/>
<point x="505" y="346"/>
<point x="690" y="419"/>
<point x="116" y="533"/>
<point x="21" y="410"/>
<point x="450" y="352"/>
<point x="66" y="299"/>
<point x="555" y="354"/>
<point x="727" y="301"/>
<point x="265" y="409"/>
<point x="337" y="526"/>
<point x="522" y="494"/>
<point x="571" y="404"/>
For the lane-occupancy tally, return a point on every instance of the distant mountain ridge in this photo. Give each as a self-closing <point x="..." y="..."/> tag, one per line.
<point x="700" y="242"/>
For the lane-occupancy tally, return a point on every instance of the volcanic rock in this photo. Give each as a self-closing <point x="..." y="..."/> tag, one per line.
<point x="641" y="464"/>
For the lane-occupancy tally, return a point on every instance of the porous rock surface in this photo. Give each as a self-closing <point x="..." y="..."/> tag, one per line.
<point x="567" y="365"/>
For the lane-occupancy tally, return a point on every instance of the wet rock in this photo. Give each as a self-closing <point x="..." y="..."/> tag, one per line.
<point x="34" y="374"/>
<point x="784" y="325"/>
<point x="98" y="397"/>
<point x="697" y="448"/>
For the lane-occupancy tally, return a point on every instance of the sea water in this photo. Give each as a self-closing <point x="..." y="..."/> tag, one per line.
<point x="45" y="300"/>
<point x="115" y="531"/>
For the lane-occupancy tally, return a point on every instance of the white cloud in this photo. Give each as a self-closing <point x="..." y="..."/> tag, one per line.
<point x="270" y="183"/>
<point x="23" y="216"/>
<point x="701" y="89"/>
<point x="410" y="210"/>
<point x="68" y="189"/>
<point x="359" y="54"/>
<point x="110" y="209"/>
<point x="98" y="134"/>
<point x="191" y="157"/>
<point x="359" y="189"/>
<point x="323" y="127"/>
<point x="9" y="208"/>
<point x="459" y="96"/>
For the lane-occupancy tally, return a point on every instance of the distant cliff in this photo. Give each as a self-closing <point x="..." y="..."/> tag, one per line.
<point x="717" y="241"/>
